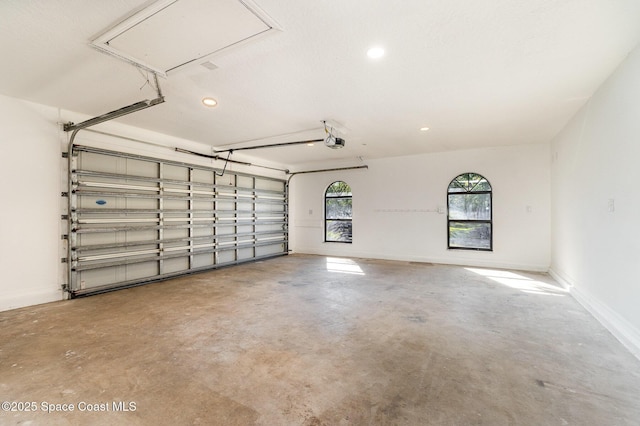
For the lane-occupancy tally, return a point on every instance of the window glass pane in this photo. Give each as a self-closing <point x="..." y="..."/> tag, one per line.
<point x="338" y="212"/>
<point x="470" y="206"/>
<point x="339" y="208"/>
<point x="339" y="189"/>
<point x="470" y="235"/>
<point x="456" y="187"/>
<point x="477" y="182"/>
<point x="338" y="230"/>
<point x="463" y="181"/>
<point x="469" y="182"/>
<point x="481" y="185"/>
<point x="469" y="202"/>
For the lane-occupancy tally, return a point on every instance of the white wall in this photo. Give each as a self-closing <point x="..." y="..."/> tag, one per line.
<point x="30" y="211"/>
<point x="595" y="162"/>
<point x="395" y="208"/>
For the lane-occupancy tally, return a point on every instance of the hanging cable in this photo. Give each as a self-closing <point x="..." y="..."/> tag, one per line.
<point x="146" y="79"/>
<point x="217" y="157"/>
<point x="225" y="165"/>
<point x="329" y="132"/>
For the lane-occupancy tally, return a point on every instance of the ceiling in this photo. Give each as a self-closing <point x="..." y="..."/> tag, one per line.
<point x="478" y="73"/>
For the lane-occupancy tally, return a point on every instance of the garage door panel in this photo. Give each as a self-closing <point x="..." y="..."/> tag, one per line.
<point x="141" y="168"/>
<point x="244" y="229"/>
<point x="272" y="207"/>
<point x="99" y="163"/>
<point x="174" y="172"/>
<point x="269" y="249"/>
<point x="141" y="203"/>
<point x="87" y="240"/>
<point x="175" y="204"/>
<point x="244" y="205"/>
<point x="269" y="228"/>
<point x="203" y="260"/>
<point x="202" y="232"/>
<point x="137" y="219"/>
<point x="226" y="257"/>
<point x="97" y="202"/>
<point x="176" y="265"/>
<point x="226" y="205"/>
<point x="244" y="181"/>
<point x="142" y="270"/>
<point x="175" y="233"/>
<point x="142" y="235"/>
<point x="98" y="278"/>
<point x="202" y="176"/>
<point x="204" y="205"/>
<point x="271" y="185"/>
<point x="245" y="253"/>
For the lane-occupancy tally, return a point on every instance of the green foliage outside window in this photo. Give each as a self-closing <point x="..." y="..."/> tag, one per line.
<point x="338" y="213"/>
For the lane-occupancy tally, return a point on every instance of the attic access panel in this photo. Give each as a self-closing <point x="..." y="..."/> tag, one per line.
<point x="171" y="34"/>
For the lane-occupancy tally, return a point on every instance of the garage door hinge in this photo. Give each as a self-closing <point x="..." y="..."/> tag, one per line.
<point x="64" y="217"/>
<point x="65" y="194"/>
<point x="65" y="155"/>
<point x="63" y="260"/>
<point x="64" y="237"/>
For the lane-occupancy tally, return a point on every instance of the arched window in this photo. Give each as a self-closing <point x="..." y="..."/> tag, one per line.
<point x="469" y="213"/>
<point x="338" y="208"/>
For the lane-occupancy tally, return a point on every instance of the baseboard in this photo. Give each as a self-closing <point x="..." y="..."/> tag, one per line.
<point x="29" y="299"/>
<point x="621" y="329"/>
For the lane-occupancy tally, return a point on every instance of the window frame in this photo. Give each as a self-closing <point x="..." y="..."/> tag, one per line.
<point x="327" y="220"/>
<point x="466" y="192"/>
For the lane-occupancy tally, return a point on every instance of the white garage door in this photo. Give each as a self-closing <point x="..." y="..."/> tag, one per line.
<point x="135" y="219"/>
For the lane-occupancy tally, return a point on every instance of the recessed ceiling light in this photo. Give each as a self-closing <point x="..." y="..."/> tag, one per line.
<point x="210" y="102"/>
<point x="424" y="129"/>
<point x="310" y="144"/>
<point x="375" y="52"/>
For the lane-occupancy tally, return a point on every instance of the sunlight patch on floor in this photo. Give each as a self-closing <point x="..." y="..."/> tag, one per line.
<point x="519" y="282"/>
<point x="344" y="266"/>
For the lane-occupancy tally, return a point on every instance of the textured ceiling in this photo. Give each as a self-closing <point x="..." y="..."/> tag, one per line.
<point x="477" y="73"/>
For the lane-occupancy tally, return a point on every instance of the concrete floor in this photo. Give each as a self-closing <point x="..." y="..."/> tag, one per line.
<point x="309" y="340"/>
